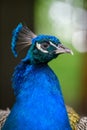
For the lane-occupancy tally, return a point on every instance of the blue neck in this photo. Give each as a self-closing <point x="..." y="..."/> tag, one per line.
<point x="39" y="100"/>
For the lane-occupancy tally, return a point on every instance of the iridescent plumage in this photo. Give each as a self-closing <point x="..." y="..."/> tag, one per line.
<point x="76" y="122"/>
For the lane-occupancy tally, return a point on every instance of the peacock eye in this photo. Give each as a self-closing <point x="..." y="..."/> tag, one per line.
<point x="45" y="45"/>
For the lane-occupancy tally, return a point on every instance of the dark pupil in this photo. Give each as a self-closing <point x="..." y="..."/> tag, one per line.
<point x="45" y="45"/>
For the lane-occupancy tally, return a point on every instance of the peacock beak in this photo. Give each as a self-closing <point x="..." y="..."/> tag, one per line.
<point x="62" y="49"/>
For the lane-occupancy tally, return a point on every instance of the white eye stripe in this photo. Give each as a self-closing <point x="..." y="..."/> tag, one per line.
<point x="53" y="45"/>
<point x="39" y="48"/>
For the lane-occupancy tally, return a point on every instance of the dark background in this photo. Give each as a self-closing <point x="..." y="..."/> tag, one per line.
<point x="11" y="13"/>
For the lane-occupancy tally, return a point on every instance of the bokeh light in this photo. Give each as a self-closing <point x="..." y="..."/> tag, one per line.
<point x="71" y="22"/>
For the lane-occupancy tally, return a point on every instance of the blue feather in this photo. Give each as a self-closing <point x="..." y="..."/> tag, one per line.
<point x="15" y="38"/>
<point x="42" y="38"/>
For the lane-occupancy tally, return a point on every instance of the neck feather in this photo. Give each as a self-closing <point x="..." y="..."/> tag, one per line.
<point x="37" y="90"/>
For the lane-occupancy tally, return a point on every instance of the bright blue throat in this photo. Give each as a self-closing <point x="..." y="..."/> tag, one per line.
<point x="39" y="101"/>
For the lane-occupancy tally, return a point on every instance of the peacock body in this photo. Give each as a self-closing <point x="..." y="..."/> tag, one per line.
<point x="39" y="102"/>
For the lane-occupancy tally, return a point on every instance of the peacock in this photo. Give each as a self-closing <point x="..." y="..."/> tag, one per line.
<point x="39" y="101"/>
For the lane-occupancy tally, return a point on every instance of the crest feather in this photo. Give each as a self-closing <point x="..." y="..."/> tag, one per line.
<point x="21" y="36"/>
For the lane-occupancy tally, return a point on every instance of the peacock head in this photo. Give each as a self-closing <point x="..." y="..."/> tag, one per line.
<point x="42" y="48"/>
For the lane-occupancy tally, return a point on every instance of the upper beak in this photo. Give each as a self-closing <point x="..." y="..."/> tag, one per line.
<point x="62" y="49"/>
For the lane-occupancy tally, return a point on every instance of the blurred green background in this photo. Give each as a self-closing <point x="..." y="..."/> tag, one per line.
<point x="66" y="19"/>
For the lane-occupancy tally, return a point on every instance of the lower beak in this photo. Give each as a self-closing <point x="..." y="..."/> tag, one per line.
<point x="62" y="49"/>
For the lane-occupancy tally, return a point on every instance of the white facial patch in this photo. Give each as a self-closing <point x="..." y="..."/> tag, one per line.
<point x="53" y="45"/>
<point x="39" y="48"/>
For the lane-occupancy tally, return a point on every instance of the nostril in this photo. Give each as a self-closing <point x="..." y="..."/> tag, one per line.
<point x="61" y="46"/>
